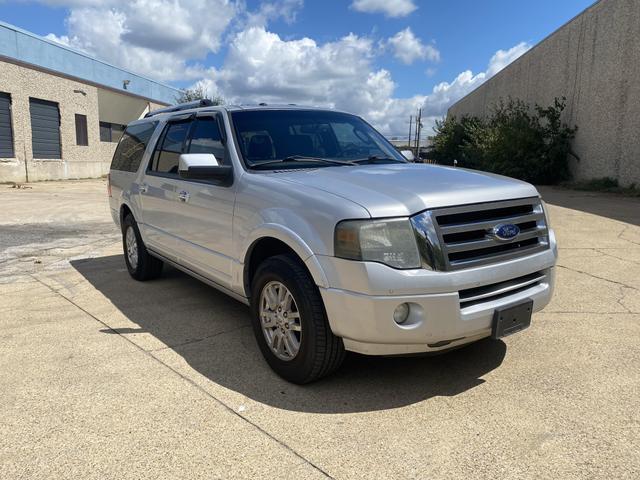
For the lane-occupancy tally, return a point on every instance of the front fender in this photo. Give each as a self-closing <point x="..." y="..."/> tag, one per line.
<point x="291" y="239"/>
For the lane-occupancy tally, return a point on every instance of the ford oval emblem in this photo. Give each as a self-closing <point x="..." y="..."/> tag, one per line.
<point x="505" y="231"/>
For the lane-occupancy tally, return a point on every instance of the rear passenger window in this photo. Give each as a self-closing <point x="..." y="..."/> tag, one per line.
<point x="132" y="146"/>
<point x="206" y="138"/>
<point x="167" y="154"/>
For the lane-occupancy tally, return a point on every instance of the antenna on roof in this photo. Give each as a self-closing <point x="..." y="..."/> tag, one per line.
<point x="205" y="102"/>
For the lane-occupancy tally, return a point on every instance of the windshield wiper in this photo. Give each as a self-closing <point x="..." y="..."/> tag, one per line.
<point x="303" y="158"/>
<point x="376" y="158"/>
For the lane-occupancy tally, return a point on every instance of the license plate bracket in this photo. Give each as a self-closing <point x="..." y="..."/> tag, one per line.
<point x="511" y="319"/>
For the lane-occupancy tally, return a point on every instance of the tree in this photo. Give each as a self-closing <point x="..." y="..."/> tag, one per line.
<point x="198" y="92"/>
<point x="532" y="144"/>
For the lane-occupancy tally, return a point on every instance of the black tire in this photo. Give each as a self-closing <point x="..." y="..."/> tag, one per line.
<point x="320" y="352"/>
<point x="147" y="266"/>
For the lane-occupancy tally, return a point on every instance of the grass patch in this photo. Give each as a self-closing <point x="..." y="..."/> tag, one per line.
<point x="604" y="184"/>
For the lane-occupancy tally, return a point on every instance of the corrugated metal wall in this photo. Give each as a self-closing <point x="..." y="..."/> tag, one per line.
<point x="45" y="129"/>
<point x="6" y="132"/>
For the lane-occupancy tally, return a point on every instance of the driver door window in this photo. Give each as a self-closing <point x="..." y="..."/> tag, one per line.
<point x="165" y="158"/>
<point x="206" y="138"/>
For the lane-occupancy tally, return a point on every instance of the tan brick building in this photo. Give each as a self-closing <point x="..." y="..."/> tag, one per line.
<point x="61" y="111"/>
<point x="593" y="61"/>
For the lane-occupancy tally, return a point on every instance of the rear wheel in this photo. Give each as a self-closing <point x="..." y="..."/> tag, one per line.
<point x="290" y="323"/>
<point x="141" y="265"/>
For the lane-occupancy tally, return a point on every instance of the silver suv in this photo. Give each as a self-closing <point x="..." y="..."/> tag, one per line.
<point x="313" y="219"/>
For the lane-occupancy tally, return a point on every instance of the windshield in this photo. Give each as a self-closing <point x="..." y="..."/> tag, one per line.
<point x="276" y="139"/>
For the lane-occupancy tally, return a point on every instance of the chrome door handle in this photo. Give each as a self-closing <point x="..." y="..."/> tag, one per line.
<point x="143" y="188"/>
<point x="183" y="196"/>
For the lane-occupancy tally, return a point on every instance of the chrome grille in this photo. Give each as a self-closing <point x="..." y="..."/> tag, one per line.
<point x="460" y="237"/>
<point x="494" y="291"/>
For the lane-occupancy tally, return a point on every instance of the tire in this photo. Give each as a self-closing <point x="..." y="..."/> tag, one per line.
<point x="319" y="352"/>
<point x="142" y="266"/>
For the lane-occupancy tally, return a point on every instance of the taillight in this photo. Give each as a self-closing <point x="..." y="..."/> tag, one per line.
<point x="109" y="185"/>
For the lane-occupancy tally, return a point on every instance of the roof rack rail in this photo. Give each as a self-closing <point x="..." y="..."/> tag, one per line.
<point x="205" y="102"/>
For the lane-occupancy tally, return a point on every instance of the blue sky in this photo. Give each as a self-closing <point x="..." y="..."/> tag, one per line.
<point x="378" y="58"/>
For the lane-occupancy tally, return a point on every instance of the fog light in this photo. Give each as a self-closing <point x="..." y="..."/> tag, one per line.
<point x="401" y="313"/>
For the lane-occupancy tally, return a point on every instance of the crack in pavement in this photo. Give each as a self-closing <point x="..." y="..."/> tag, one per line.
<point x="196" y="340"/>
<point x="597" y="277"/>
<point x="626" y="227"/>
<point x="613" y="256"/>
<point x="621" y="285"/>
<point x="190" y="381"/>
<point x="545" y="311"/>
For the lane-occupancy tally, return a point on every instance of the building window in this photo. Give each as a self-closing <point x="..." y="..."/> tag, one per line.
<point x="6" y="131"/>
<point x="82" y="138"/>
<point x="111" y="132"/>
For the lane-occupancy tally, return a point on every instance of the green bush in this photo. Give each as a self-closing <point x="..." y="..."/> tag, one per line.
<point x="514" y="140"/>
<point x="603" y="184"/>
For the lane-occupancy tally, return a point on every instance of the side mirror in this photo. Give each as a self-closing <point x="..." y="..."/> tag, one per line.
<point x="204" y="166"/>
<point x="408" y="154"/>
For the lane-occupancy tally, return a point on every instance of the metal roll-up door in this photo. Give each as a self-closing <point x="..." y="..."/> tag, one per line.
<point x="6" y="132"/>
<point x="45" y="128"/>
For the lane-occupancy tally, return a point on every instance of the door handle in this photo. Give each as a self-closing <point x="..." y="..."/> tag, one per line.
<point x="183" y="196"/>
<point x="143" y="188"/>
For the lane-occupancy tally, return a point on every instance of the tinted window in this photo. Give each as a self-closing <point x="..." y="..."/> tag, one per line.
<point x="205" y="138"/>
<point x="269" y="135"/>
<point x="111" y="132"/>
<point x="116" y="132"/>
<point x="105" y="132"/>
<point x="132" y="146"/>
<point x="81" y="130"/>
<point x="166" y="156"/>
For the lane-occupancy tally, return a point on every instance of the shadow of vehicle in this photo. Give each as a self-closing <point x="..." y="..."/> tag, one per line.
<point x="610" y="205"/>
<point x="212" y="333"/>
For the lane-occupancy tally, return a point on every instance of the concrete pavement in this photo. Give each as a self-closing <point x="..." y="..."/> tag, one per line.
<point x="105" y="377"/>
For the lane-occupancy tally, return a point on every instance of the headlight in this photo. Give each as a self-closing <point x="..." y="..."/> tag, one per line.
<point x="391" y="242"/>
<point x="546" y="213"/>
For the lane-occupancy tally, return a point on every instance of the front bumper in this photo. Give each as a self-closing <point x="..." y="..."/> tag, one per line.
<point x="363" y="314"/>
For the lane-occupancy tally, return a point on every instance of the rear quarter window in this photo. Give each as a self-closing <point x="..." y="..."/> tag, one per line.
<point x="131" y="147"/>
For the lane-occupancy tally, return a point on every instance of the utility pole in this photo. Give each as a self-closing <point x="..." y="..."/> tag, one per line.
<point x="415" y="142"/>
<point x="410" y="127"/>
<point x="419" y="131"/>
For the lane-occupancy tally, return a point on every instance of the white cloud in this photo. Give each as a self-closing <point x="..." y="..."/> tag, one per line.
<point x="502" y="58"/>
<point x="272" y="10"/>
<point x="446" y="94"/>
<point x="151" y="37"/>
<point x="165" y="39"/>
<point x="408" y="48"/>
<point x="391" y="8"/>
<point x="262" y="67"/>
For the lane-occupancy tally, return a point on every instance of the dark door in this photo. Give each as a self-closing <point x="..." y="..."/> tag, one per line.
<point x="45" y="128"/>
<point x="6" y="132"/>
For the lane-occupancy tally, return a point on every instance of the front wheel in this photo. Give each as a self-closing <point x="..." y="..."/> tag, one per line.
<point x="290" y="322"/>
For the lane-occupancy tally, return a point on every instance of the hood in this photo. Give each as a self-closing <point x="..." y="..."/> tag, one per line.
<point x="405" y="189"/>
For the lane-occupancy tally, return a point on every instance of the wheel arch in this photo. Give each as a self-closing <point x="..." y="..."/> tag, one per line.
<point x="276" y="241"/>
<point x="124" y="211"/>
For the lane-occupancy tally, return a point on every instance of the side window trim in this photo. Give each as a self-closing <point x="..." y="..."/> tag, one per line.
<point x="158" y="144"/>
<point x="219" y="120"/>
